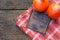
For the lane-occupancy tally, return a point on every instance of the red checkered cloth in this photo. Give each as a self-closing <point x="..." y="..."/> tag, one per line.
<point x="52" y="32"/>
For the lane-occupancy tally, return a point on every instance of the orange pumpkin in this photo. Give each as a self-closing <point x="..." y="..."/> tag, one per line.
<point x="54" y="10"/>
<point x="40" y="5"/>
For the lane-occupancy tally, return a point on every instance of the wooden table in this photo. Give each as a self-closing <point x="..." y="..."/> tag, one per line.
<point x="9" y="11"/>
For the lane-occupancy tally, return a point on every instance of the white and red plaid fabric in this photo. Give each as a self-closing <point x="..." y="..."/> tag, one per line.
<point x="52" y="32"/>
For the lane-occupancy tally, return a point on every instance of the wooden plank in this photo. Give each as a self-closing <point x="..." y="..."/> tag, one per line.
<point x="15" y="4"/>
<point x="8" y="28"/>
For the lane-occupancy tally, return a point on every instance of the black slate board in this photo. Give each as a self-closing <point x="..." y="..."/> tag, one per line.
<point x="38" y="21"/>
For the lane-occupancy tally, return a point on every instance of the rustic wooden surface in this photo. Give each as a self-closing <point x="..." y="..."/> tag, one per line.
<point x="8" y="18"/>
<point x="8" y="28"/>
<point x="15" y="4"/>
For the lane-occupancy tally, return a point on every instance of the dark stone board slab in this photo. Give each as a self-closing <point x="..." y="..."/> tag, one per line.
<point x="38" y="21"/>
<point x="8" y="28"/>
<point x="15" y="4"/>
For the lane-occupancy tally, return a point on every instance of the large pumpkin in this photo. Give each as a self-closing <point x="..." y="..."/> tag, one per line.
<point x="40" y="5"/>
<point x="54" y="10"/>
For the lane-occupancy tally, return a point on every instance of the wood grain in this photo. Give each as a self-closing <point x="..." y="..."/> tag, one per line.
<point x="8" y="28"/>
<point x="15" y="4"/>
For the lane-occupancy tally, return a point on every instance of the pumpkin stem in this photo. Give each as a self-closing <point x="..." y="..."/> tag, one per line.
<point x="50" y="1"/>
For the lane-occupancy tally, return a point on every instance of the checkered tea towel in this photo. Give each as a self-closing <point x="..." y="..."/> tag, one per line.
<point x="52" y="32"/>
